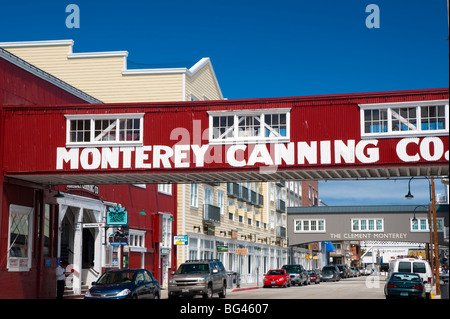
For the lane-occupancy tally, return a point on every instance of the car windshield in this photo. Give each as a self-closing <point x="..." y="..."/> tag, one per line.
<point x="121" y="277"/>
<point x="327" y="272"/>
<point x="311" y="272"/>
<point x="293" y="268"/>
<point x="275" y="273"/>
<point x="406" y="277"/>
<point x="328" y="269"/>
<point x="193" y="268"/>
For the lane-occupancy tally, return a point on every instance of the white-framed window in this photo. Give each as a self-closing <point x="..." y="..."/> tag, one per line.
<point x="194" y="195"/>
<point x="221" y="202"/>
<point x="422" y="225"/>
<point x="166" y="238"/>
<point x="104" y="129"/>
<point x="20" y="238"/>
<point x="165" y="189"/>
<point x="309" y="226"/>
<point x="403" y="119"/>
<point x="137" y="240"/>
<point x="249" y="126"/>
<point x="367" y="225"/>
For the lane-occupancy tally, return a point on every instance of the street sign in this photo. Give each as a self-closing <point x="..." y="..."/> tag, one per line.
<point x="93" y="225"/>
<point x="181" y="240"/>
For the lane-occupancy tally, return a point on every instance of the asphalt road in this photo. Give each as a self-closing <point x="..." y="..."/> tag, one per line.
<point x="365" y="287"/>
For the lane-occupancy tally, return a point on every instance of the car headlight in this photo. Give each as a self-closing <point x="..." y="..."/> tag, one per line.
<point x="123" y="293"/>
<point x="88" y="294"/>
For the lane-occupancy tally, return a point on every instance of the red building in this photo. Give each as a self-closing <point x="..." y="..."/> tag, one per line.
<point x="37" y="228"/>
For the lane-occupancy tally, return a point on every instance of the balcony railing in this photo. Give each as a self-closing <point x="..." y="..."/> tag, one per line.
<point x="233" y="190"/>
<point x="281" y="232"/>
<point x="281" y="206"/>
<point x="211" y="214"/>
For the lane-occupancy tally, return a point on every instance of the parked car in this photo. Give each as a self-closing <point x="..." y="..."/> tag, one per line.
<point x="277" y="277"/>
<point x="345" y="271"/>
<point x="404" y="285"/>
<point x="125" y="283"/>
<point x="298" y="274"/>
<point x="355" y="272"/>
<point x="412" y="265"/>
<point x="199" y="277"/>
<point x="314" y="276"/>
<point x="330" y="275"/>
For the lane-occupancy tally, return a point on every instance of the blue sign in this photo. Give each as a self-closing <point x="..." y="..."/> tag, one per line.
<point x="181" y="240"/>
<point x="117" y="216"/>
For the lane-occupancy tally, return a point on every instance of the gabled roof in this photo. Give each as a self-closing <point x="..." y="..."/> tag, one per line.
<point x="8" y="56"/>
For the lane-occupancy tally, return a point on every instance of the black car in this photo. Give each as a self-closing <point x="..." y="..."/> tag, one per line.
<point x="124" y="284"/>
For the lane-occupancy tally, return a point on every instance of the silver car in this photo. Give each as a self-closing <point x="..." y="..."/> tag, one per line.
<point x="199" y="277"/>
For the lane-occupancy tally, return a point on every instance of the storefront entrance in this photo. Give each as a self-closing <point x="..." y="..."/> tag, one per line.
<point x="81" y="239"/>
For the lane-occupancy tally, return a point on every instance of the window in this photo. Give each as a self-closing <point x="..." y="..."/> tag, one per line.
<point x="269" y="125"/>
<point x="20" y="238"/>
<point x="419" y="118"/>
<point x="104" y="129"/>
<point x="194" y="195"/>
<point x="422" y="225"/>
<point x="367" y="225"/>
<point x="165" y="189"/>
<point x="137" y="240"/>
<point x="309" y="225"/>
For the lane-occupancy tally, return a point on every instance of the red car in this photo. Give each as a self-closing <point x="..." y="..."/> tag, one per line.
<point x="314" y="276"/>
<point x="277" y="277"/>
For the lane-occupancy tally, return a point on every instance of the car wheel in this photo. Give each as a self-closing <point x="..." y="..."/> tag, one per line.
<point x="223" y="293"/>
<point x="209" y="293"/>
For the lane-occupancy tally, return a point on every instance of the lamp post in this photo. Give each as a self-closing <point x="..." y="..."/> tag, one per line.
<point x="409" y="196"/>
<point x="436" y="244"/>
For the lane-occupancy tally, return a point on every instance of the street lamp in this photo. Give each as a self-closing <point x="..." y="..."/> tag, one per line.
<point x="409" y="196"/>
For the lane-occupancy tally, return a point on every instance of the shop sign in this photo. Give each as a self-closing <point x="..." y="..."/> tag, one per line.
<point x="164" y="251"/>
<point x="118" y="238"/>
<point x="117" y="216"/>
<point x="181" y="240"/>
<point x="222" y="249"/>
<point x="241" y="251"/>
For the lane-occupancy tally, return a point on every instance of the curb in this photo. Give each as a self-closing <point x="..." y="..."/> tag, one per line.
<point x="242" y="289"/>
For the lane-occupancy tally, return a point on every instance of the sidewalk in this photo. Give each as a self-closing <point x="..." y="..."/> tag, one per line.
<point x="248" y="286"/>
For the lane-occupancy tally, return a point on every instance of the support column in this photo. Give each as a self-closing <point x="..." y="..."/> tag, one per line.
<point x="78" y="252"/>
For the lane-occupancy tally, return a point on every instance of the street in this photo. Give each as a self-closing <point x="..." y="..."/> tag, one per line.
<point x="365" y="287"/>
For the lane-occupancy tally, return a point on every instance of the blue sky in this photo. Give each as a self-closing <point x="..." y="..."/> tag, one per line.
<point x="265" y="49"/>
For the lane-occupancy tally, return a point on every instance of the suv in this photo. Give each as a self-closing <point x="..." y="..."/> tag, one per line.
<point x="199" y="277"/>
<point x="298" y="274"/>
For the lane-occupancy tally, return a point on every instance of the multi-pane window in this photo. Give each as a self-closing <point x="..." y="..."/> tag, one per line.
<point x="421" y="224"/>
<point x="309" y="225"/>
<point x="433" y="117"/>
<point x="20" y="238"/>
<point x="104" y="129"/>
<point x="404" y="119"/>
<point x="419" y="118"/>
<point x="269" y="125"/>
<point x="376" y="224"/>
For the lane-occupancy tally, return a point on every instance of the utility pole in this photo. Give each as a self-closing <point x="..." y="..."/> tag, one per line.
<point x="436" y="253"/>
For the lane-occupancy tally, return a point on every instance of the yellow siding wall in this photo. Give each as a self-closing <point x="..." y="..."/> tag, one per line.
<point x="202" y="84"/>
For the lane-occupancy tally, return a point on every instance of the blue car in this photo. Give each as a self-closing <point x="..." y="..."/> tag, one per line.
<point x="404" y="285"/>
<point x="125" y="284"/>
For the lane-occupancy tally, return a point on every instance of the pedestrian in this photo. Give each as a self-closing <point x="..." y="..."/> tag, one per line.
<point x="60" y="278"/>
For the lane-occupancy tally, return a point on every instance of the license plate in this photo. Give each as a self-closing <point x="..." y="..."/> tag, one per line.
<point x="184" y="290"/>
<point x="273" y="282"/>
<point x="404" y="294"/>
